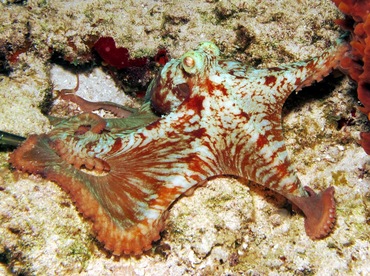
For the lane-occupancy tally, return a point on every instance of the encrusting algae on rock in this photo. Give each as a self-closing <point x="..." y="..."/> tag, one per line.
<point x="262" y="230"/>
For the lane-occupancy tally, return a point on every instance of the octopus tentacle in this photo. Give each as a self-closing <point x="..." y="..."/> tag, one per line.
<point x="141" y="118"/>
<point x="87" y="106"/>
<point x="295" y="75"/>
<point x="319" y="211"/>
<point x="128" y="196"/>
<point x="79" y="125"/>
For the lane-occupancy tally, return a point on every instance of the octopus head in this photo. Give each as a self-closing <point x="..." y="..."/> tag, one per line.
<point x="179" y="77"/>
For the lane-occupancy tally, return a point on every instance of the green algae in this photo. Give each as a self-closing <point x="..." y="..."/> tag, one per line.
<point x="217" y="201"/>
<point x="79" y="252"/>
<point x="339" y="178"/>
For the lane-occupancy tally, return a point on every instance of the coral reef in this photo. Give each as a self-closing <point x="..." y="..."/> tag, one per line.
<point x="357" y="62"/>
<point x="134" y="72"/>
<point x="117" y="57"/>
<point x="248" y="230"/>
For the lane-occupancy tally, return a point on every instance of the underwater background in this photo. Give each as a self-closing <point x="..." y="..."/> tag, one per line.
<point x="229" y="227"/>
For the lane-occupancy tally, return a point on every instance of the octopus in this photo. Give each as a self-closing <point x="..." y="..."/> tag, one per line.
<point x="203" y="117"/>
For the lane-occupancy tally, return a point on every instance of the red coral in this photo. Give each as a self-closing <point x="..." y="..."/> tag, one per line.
<point x="357" y="63"/>
<point x="130" y="72"/>
<point x="161" y="57"/>
<point x="117" y="57"/>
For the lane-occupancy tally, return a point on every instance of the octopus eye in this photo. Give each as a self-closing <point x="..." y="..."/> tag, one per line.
<point x="189" y="62"/>
<point x="193" y="62"/>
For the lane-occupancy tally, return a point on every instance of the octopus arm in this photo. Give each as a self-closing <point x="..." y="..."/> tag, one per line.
<point x="125" y="192"/>
<point x="283" y="80"/>
<point x="141" y="118"/>
<point x="319" y="211"/>
<point x="319" y="67"/>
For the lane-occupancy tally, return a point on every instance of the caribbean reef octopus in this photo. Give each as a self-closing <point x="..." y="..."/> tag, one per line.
<point x="216" y="117"/>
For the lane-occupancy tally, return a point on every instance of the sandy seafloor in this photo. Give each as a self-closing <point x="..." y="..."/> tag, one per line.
<point x="229" y="227"/>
